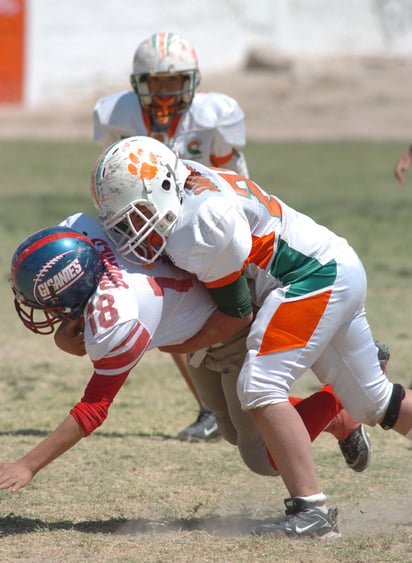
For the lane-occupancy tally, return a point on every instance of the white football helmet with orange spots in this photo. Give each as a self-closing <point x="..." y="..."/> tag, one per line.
<point x="165" y="55"/>
<point x="137" y="186"/>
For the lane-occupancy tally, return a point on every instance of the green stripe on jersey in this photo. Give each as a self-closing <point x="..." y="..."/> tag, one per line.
<point x="303" y="273"/>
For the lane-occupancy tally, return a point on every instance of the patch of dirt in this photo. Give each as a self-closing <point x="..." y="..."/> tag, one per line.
<point x="376" y="515"/>
<point x="372" y="517"/>
<point x="283" y="100"/>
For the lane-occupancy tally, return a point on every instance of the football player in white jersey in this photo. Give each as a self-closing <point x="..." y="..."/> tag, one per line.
<point x="207" y="127"/>
<point x="71" y="273"/>
<point x="250" y="248"/>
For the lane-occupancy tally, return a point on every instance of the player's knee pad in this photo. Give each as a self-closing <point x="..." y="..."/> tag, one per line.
<point x="392" y="412"/>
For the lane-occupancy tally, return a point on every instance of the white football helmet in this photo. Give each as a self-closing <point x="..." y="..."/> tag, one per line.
<point x="137" y="187"/>
<point x="164" y="55"/>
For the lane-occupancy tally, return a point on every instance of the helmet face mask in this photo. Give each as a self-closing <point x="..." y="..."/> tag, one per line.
<point x="133" y="232"/>
<point x="167" y="58"/>
<point x="39" y="321"/>
<point x="53" y="274"/>
<point x="137" y="188"/>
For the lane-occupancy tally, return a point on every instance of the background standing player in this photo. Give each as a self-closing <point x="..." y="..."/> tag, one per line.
<point x="205" y="127"/>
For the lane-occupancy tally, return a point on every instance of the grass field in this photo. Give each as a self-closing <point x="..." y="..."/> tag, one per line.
<point x="131" y="491"/>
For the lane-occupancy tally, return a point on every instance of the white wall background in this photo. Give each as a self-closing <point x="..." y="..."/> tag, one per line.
<point x="80" y="48"/>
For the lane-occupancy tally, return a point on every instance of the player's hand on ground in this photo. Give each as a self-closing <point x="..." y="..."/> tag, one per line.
<point x="69" y="337"/>
<point x="14" y="475"/>
<point x="402" y="165"/>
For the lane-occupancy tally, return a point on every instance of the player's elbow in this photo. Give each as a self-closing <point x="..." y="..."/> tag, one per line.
<point x="246" y="321"/>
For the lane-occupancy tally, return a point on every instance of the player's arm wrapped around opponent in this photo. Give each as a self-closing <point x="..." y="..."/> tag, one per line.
<point x="233" y="298"/>
<point x="218" y="256"/>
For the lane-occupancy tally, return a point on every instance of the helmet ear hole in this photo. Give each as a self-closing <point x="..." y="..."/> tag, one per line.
<point x="166" y="185"/>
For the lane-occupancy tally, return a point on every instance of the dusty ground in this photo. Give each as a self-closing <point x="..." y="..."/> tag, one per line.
<point x="282" y="100"/>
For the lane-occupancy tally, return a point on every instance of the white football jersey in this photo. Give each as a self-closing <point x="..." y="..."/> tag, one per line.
<point x="134" y="308"/>
<point x="228" y="225"/>
<point x="212" y="126"/>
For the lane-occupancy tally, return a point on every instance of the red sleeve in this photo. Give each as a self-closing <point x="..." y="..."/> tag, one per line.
<point x="92" y="410"/>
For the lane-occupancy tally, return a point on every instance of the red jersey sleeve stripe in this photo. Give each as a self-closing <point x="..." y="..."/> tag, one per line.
<point x="126" y="355"/>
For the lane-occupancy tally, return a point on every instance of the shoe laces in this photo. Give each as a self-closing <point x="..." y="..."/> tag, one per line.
<point x="292" y="520"/>
<point x="204" y="414"/>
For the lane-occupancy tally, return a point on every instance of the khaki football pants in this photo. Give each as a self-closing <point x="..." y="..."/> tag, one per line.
<point x="215" y="372"/>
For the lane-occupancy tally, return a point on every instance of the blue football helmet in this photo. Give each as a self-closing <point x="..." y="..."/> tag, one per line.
<point x="53" y="274"/>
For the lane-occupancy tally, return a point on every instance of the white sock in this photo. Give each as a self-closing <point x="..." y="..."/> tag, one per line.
<point x="319" y="499"/>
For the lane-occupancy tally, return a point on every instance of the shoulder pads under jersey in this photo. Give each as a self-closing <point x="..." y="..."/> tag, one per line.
<point x="213" y="110"/>
<point x="116" y="111"/>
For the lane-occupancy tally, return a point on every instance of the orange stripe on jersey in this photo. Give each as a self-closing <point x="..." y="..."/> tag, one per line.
<point x="220" y="160"/>
<point x="293" y="323"/>
<point x="224" y="281"/>
<point x="262" y="250"/>
<point x="244" y="187"/>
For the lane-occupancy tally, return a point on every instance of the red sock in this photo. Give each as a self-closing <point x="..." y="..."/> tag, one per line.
<point x="342" y="425"/>
<point x="316" y="411"/>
